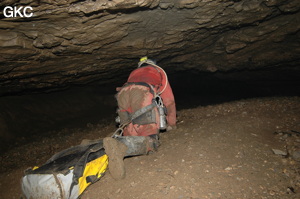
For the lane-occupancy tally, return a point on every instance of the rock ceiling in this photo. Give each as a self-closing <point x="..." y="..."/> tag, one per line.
<point x="78" y="41"/>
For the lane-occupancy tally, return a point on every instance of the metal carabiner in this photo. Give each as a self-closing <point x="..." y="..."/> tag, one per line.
<point x="159" y="101"/>
<point x="116" y="134"/>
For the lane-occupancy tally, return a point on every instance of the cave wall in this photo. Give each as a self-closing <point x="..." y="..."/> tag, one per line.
<point x="79" y="41"/>
<point x="27" y="118"/>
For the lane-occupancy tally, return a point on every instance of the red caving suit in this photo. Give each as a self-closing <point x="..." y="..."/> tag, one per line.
<point x="132" y="97"/>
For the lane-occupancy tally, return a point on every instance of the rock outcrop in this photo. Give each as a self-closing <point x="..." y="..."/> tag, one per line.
<point x="78" y="41"/>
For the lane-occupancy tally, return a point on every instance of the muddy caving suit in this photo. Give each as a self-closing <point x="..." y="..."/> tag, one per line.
<point x="140" y="90"/>
<point x="138" y="95"/>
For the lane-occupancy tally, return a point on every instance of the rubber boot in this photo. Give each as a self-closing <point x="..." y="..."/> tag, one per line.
<point x="124" y="146"/>
<point x="116" y="152"/>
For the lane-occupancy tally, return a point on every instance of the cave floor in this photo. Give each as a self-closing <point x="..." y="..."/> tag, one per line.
<point x="217" y="151"/>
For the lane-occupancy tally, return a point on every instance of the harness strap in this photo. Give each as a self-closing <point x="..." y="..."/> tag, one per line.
<point x="143" y="110"/>
<point x="136" y="114"/>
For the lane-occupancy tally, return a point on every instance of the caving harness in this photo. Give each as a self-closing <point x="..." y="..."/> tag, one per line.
<point x="125" y="118"/>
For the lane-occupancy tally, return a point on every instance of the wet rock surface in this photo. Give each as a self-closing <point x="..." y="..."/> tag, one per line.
<point x="76" y="42"/>
<point x="217" y="151"/>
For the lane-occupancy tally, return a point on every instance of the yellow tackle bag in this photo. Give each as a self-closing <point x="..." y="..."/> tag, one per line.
<point x="66" y="174"/>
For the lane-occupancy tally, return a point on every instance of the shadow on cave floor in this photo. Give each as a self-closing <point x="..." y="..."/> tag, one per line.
<point x="33" y="116"/>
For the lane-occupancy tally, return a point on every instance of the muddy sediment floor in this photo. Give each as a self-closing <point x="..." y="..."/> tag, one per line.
<point x="240" y="149"/>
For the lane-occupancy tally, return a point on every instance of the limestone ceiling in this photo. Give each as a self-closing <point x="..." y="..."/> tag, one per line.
<point x="78" y="41"/>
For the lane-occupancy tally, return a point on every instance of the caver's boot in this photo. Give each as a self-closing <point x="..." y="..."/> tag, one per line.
<point x="116" y="152"/>
<point x="123" y="146"/>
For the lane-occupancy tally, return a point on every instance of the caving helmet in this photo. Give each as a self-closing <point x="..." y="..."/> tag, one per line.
<point x="145" y="60"/>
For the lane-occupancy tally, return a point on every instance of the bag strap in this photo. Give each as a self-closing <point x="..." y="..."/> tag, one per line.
<point x="74" y="149"/>
<point x="80" y="166"/>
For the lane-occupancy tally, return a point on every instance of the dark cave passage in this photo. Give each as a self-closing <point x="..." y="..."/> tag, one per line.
<point x="194" y="89"/>
<point x="31" y="116"/>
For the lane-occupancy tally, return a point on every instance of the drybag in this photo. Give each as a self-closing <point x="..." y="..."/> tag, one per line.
<point x="66" y="174"/>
